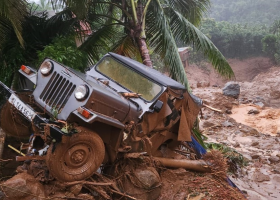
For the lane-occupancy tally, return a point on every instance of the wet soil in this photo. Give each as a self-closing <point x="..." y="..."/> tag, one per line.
<point x="256" y="135"/>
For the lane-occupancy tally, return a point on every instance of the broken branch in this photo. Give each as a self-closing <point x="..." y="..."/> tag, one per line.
<point x="211" y="108"/>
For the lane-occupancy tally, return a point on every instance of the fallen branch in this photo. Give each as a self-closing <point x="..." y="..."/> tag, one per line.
<point x="1" y="160"/>
<point x="196" y="165"/>
<point x="87" y="183"/>
<point x="211" y="108"/>
<point x="122" y="194"/>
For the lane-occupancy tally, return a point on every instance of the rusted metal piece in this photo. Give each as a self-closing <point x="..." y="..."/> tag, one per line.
<point x="24" y="158"/>
<point x="196" y="165"/>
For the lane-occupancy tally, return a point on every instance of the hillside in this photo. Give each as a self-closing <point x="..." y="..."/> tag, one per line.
<point x="245" y="11"/>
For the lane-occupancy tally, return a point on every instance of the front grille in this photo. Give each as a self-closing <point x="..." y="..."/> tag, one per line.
<point x="57" y="92"/>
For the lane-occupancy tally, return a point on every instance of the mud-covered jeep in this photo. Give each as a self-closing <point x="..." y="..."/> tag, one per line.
<point x="78" y="121"/>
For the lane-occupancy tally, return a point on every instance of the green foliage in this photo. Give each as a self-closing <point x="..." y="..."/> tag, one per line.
<point x="271" y="46"/>
<point x="161" y="24"/>
<point x="37" y="31"/>
<point x="65" y="51"/>
<point x="235" y="160"/>
<point x="245" y="11"/>
<point x="235" y="40"/>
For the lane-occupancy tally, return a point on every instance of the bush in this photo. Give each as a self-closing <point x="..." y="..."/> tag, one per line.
<point x="65" y="51"/>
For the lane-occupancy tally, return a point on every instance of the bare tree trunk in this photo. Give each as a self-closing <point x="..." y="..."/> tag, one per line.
<point x="144" y="52"/>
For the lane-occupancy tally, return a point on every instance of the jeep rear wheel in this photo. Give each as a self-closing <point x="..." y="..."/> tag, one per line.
<point x="78" y="158"/>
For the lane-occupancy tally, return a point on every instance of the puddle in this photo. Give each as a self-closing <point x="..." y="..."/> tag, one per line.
<point x="267" y="121"/>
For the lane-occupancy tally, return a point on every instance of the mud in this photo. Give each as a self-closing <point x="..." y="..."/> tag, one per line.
<point x="255" y="135"/>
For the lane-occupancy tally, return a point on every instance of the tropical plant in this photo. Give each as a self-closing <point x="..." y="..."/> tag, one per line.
<point x="64" y="50"/>
<point x="131" y="27"/>
<point x="12" y="14"/>
<point x="37" y="31"/>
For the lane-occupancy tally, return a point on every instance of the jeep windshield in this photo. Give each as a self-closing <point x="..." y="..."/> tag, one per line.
<point x="128" y="78"/>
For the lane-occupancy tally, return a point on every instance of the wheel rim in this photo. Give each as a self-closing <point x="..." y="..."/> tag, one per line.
<point x="77" y="159"/>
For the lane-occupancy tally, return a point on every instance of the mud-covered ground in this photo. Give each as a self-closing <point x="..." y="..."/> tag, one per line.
<point x="255" y="135"/>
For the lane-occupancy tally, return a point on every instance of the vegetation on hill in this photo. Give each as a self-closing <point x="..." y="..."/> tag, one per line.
<point x="245" y="11"/>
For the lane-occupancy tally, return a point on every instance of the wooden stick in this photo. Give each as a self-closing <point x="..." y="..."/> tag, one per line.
<point x="87" y="183"/>
<point x="125" y="195"/>
<point x="211" y="108"/>
<point x="16" y="150"/>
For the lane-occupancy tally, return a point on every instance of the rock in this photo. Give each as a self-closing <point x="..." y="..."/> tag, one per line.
<point x="256" y="156"/>
<point x="141" y="182"/>
<point x="202" y="84"/>
<point x="227" y="124"/>
<point x="254" y="111"/>
<point x="23" y="186"/>
<point x="228" y="112"/>
<point x="249" y="131"/>
<point x="260" y="104"/>
<point x="208" y="124"/>
<point x="276" y="170"/>
<point x="236" y="145"/>
<point x="231" y="89"/>
<point x="254" y="144"/>
<point x="260" y="177"/>
<point x="273" y="159"/>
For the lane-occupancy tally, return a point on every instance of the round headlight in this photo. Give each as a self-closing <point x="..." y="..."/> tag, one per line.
<point x="81" y="92"/>
<point x="46" y="68"/>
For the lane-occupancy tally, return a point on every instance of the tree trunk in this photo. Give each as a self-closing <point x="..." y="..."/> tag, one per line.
<point x="141" y="37"/>
<point x="144" y="52"/>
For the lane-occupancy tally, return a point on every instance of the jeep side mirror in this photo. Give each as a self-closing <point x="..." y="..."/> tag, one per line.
<point x="157" y="106"/>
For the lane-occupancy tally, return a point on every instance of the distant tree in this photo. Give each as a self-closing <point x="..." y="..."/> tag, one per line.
<point x="275" y="28"/>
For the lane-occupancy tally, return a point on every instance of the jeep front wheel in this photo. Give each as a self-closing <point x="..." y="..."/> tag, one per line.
<point x="78" y="158"/>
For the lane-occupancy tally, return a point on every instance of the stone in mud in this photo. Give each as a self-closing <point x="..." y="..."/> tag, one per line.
<point x="228" y="112"/>
<point x="144" y="184"/>
<point x="23" y="186"/>
<point x="227" y="124"/>
<point x="260" y="177"/>
<point x="254" y="111"/>
<point x="208" y="124"/>
<point x="248" y="131"/>
<point x="260" y="104"/>
<point x="273" y="159"/>
<point x="231" y="89"/>
<point x="255" y="144"/>
<point x="256" y="156"/>
<point x="202" y="84"/>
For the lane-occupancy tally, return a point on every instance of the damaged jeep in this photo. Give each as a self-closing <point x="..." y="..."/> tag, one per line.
<point x="76" y="122"/>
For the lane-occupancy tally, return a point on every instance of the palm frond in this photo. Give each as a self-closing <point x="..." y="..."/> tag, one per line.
<point x="128" y="48"/>
<point x="192" y="10"/>
<point x="14" y="11"/>
<point x="185" y="31"/>
<point x="163" y="42"/>
<point x="100" y="41"/>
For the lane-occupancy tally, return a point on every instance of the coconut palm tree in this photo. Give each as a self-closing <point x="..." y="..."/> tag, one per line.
<point x="12" y="14"/>
<point x="134" y="27"/>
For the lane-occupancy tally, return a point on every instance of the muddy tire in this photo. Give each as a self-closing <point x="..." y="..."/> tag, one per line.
<point x="12" y="123"/>
<point x="78" y="158"/>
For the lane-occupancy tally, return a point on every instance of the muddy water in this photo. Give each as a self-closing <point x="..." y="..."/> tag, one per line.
<point x="267" y="121"/>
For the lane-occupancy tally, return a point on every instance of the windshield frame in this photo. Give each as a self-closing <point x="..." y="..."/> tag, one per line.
<point x="130" y="68"/>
